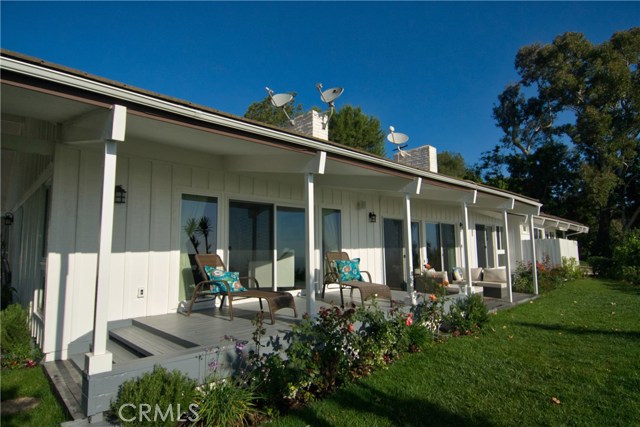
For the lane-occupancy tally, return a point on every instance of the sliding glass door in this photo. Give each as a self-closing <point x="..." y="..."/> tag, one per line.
<point x="434" y="255"/>
<point x="251" y="241"/>
<point x="290" y="243"/>
<point x="441" y="246"/>
<point x="394" y="254"/>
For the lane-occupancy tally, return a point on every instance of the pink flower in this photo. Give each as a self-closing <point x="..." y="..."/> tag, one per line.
<point x="351" y="327"/>
<point x="409" y="320"/>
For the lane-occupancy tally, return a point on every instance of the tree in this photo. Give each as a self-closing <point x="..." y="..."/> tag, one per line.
<point x="452" y="164"/>
<point x="588" y="96"/>
<point x="264" y="111"/>
<point x="351" y="127"/>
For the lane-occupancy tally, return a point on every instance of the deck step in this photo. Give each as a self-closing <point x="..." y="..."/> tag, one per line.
<point x="144" y="342"/>
<point x="67" y="381"/>
<point x="121" y="352"/>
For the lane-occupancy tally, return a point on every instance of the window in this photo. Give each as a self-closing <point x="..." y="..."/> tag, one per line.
<point x="198" y="234"/>
<point x="502" y="256"/>
<point x="331" y="233"/>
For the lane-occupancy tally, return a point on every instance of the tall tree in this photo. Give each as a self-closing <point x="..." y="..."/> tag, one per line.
<point x="587" y="95"/>
<point x="350" y="126"/>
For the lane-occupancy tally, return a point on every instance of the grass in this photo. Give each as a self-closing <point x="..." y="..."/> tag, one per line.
<point x="31" y="382"/>
<point x="571" y="357"/>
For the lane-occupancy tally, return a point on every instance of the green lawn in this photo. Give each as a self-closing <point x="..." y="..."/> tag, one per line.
<point x="579" y="345"/>
<point x="31" y="383"/>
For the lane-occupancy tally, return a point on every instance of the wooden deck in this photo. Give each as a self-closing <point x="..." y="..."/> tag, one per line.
<point x="182" y="342"/>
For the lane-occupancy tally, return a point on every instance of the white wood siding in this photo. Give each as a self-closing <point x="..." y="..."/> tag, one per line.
<point x="146" y="234"/>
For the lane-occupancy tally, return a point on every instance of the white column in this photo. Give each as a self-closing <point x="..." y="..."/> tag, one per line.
<point x="467" y="249"/>
<point x="100" y="360"/>
<point x="310" y="288"/>
<point x="508" y="253"/>
<point x="534" y="269"/>
<point x="408" y="272"/>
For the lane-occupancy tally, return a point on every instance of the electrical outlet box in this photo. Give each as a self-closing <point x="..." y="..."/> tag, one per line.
<point x="140" y="292"/>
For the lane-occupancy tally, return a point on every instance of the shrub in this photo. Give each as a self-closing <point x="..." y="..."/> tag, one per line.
<point x="570" y="269"/>
<point x="603" y="266"/>
<point x="15" y="345"/>
<point x="523" y="281"/>
<point x="627" y="255"/>
<point x="226" y="403"/>
<point x="468" y="315"/>
<point x="158" y="398"/>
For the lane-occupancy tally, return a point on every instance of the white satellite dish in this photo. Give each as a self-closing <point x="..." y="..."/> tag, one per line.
<point x="279" y="100"/>
<point x="328" y="97"/>
<point x="399" y="140"/>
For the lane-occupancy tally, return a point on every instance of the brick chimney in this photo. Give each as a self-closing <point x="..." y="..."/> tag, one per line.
<point x="425" y="157"/>
<point x="310" y="124"/>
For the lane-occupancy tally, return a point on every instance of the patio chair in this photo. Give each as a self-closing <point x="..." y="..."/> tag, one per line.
<point x="367" y="288"/>
<point x="223" y="287"/>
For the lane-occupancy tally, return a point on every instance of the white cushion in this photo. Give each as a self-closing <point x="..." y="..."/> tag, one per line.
<point x="495" y="275"/>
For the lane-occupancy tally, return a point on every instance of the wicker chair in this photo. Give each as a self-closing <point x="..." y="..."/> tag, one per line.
<point x="276" y="300"/>
<point x="367" y="288"/>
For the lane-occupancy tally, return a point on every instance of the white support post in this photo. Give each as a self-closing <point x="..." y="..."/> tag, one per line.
<point x="100" y="360"/>
<point x="310" y="239"/>
<point x="467" y="249"/>
<point x="408" y="272"/>
<point x="534" y="261"/>
<point x="508" y="253"/>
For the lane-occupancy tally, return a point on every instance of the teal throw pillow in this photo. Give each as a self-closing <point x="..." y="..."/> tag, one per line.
<point x="349" y="269"/>
<point x="220" y="276"/>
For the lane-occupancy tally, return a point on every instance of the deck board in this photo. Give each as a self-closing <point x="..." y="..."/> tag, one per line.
<point x="143" y="341"/>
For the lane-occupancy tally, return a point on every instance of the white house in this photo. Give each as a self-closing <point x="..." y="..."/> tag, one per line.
<point x="274" y="200"/>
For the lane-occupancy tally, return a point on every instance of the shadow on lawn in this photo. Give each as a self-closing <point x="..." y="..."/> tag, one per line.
<point x="622" y="287"/>
<point x="633" y="335"/>
<point x="398" y="411"/>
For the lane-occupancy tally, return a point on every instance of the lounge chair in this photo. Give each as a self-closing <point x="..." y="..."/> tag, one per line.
<point x="223" y="287"/>
<point x="367" y="288"/>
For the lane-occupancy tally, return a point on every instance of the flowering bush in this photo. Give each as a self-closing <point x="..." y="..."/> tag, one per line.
<point x="323" y="353"/>
<point x="429" y="312"/>
<point x="549" y="276"/>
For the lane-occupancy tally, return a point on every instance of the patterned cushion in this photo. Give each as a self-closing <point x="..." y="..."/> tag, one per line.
<point x="220" y="276"/>
<point x="349" y="269"/>
<point x="457" y="274"/>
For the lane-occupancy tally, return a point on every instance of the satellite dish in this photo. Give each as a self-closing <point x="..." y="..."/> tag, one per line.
<point x="399" y="140"/>
<point x="328" y="97"/>
<point x="279" y="100"/>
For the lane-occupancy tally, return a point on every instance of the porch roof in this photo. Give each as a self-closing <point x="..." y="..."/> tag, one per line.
<point x="56" y="94"/>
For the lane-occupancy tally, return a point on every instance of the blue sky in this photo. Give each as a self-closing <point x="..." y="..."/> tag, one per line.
<point x="433" y="70"/>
